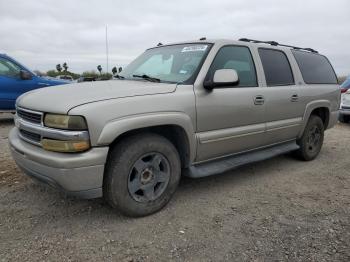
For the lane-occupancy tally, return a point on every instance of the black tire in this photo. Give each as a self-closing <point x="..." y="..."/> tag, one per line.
<point x="312" y="139"/>
<point x="123" y="169"/>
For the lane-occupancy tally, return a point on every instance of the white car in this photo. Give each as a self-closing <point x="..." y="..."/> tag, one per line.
<point x="344" y="112"/>
<point x="65" y="77"/>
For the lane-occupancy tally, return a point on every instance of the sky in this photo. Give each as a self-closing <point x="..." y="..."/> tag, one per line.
<point x="43" y="33"/>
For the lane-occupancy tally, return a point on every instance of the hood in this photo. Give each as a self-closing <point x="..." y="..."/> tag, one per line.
<point x="60" y="99"/>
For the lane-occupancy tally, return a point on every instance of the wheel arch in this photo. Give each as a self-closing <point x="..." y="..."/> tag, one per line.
<point x="176" y="127"/>
<point x="319" y="108"/>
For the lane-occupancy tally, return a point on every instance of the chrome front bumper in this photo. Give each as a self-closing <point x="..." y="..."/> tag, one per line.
<point x="76" y="174"/>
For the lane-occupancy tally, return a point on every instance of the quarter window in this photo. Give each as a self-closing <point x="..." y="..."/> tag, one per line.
<point x="276" y="67"/>
<point x="238" y="58"/>
<point x="315" y="68"/>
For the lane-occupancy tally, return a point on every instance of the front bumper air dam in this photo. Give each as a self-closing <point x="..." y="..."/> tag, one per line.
<point x="76" y="174"/>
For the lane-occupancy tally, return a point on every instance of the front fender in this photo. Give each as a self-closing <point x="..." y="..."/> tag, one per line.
<point x="117" y="127"/>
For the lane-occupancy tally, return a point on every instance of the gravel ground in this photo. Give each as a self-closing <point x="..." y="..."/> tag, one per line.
<point x="281" y="209"/>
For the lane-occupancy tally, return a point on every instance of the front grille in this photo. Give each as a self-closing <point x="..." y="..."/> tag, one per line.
<point x="30" y="136"/>
<point x="29" y="116"/>
<point x="345" y="107"/>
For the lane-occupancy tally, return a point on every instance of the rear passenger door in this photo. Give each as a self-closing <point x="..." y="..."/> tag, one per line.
<point x="283" y="111"/>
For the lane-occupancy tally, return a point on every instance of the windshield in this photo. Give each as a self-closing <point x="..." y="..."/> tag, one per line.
<point x="171" y="64"/>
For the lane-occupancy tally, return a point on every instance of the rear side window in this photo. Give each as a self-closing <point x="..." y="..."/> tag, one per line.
<point x="276" y="67"/>
<point x="238" y="58"/>
<point x="315" y="68"/>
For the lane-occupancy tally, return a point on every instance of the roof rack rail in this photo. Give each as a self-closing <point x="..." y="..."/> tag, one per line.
<point x="274" y="43"/>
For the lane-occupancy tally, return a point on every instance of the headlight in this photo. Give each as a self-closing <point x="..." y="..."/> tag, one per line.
<point x="65" y="146"/>
<point x="65" y="122"/>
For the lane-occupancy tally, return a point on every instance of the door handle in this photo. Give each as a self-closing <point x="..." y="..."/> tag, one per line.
<point x="294" y="98"/>
<point x="259" y="100"/>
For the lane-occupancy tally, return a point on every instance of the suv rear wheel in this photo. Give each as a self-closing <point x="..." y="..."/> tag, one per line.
<point x="311" y="141"/>
<point x="142" y="174"/>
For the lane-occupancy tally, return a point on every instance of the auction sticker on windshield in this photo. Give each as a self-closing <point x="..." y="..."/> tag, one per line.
<point x="194" y="48"/>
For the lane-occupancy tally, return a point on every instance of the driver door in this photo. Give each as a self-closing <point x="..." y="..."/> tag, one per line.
<point x="230" y="119"/>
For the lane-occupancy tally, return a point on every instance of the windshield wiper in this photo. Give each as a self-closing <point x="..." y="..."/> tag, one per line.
<point x="148" y="78"/>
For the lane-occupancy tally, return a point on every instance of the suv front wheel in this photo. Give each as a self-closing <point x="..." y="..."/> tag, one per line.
<point x="312" y="139"/>
<point x="142" y="174"/>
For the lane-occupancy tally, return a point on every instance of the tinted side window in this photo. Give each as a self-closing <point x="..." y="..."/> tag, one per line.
<point x="276" y="67"/>
<point x="315" y="68"/>
<point x="238" y="58"/>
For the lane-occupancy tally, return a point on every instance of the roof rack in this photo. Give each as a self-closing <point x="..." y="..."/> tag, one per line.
<point x="274" y="43"/>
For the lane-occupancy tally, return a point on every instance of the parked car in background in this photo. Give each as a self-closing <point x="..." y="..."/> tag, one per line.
<point x="344" y="112"/>
<point x="65" y="77"/>
<point x="86" y="79"/>
<point x="16" y="79"/>
<point x="345" y="86"/>
<point x="103" y="78"/>
<point x="195" y="108"/>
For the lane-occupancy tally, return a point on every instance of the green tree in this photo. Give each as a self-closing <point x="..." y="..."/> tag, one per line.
<point x="341" y="79"/>
<point x="52" y="73"/>
<point x="91" y="73"/>
<point x="59" y="68"/>
<point x="99" y="68"/>
<point x="105" y="76"/>
<point x="65" y="66"/>
<point x="114" y="70"/>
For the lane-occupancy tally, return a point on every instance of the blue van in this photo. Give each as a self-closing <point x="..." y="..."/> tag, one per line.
<point x="15" y="79"/>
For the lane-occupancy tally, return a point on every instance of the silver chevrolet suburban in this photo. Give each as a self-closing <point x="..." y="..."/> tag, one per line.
<point x="194" y="108"/>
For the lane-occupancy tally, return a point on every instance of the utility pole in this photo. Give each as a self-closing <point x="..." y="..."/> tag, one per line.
<point x="106" y="50"/>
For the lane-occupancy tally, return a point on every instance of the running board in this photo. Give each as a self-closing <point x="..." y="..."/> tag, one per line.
<point x="222" y="165"/>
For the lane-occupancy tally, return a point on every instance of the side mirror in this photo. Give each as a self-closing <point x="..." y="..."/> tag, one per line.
<point x="222" y="78"/>
<point x="25" y="75"/>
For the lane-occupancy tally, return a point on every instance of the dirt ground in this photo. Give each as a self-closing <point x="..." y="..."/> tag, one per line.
<point x="281" y="209"/>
